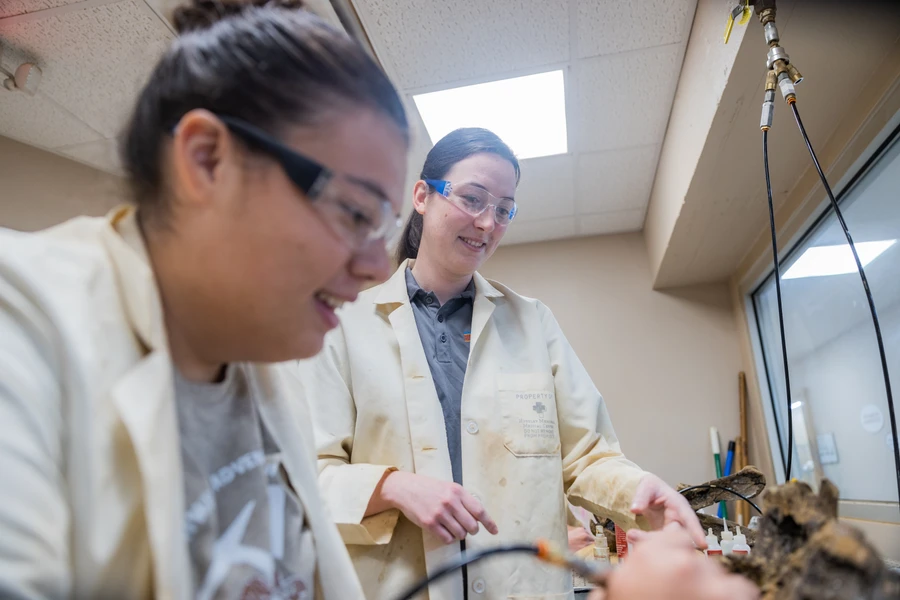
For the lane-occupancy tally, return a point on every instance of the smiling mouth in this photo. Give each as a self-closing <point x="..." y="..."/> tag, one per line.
<point x="474" y="244"/>
<point x="332" y="301"/>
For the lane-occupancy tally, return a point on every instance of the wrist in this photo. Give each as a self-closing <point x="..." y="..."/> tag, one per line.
<point x="380" y="500"/>
<point x="389" y="488"/>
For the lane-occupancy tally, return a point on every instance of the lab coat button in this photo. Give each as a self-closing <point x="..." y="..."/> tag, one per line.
<point x="472" y="427"/>
<point x="478" y="586"/>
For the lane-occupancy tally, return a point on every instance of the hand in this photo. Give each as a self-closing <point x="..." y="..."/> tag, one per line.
<point x="579" y="538"/>
<point x="442" y="507"/>
<point x="663" y="565"/>
<point x="661" y="505"/>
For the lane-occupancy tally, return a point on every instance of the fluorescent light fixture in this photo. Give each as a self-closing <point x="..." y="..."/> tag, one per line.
<point x="835" y="260"/>
<point x="528" y="113"/>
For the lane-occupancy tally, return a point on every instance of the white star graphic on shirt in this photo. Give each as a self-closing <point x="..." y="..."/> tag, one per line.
<point x="228" y="552"/>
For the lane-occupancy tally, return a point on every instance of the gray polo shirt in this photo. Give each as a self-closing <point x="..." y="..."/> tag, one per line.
<point x="445" y="332"/>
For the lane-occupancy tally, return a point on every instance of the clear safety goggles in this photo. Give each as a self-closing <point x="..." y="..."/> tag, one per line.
<point x="473" y="199"/>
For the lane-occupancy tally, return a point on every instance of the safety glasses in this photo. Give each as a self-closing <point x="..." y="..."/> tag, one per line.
<point x="473" y="199"/>
<point x="355" y="209"/>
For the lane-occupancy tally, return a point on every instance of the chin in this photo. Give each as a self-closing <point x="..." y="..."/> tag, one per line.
<point x="308" y="345"/>
<point x="470" y="264"/>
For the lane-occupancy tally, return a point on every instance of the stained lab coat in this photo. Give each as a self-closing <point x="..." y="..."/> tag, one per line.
<point x="92" y="503"/>
<point x="535" y="430"/>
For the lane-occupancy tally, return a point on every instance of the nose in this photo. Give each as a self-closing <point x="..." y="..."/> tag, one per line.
<point x="485" y="221"/>
<point x="371" y="262"/>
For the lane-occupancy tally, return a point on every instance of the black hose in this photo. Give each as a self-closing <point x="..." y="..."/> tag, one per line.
<point x="466" y="558"/>
<point x="865" y="284"/>
<point x="784" y="357"/>
<point x="713" y="486"/>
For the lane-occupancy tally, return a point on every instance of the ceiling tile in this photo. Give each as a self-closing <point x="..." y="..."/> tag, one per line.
<point x="12" y="8"/>
<point x="94" y="60"/>
<point x="622" y="221"/>
<point x="615" y="179"/>
<point x="623" y="100"/>
<point x="612" y="26"/>
<point x="546" y="189"/>
<point x="102" y="154"/>
<point x="539" y="231"/>
<point x="37" y="121"/>
<point x="428" y="43"/>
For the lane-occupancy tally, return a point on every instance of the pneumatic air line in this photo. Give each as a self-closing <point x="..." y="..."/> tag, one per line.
<point x="784" y="76"/>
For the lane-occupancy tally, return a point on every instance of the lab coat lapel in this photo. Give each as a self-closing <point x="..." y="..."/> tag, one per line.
<point x="431" y="454"/>
<point x="145" y="400"/>
<point x="283" y="422"/>
<point x="485" y="296"/>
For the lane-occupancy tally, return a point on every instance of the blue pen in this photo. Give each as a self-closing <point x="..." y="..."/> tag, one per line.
<point x="729" y="464"/>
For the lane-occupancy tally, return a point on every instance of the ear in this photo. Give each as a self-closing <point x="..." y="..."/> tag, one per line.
<point x="420" y="194"/>
<point x="200" y="149"/>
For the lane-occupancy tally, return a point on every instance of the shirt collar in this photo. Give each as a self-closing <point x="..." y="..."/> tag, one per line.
<point x="415" y="290"/>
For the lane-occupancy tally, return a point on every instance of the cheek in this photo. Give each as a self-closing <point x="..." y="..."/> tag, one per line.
<point x="299" y="251"/>
<point x="452" y="223"/>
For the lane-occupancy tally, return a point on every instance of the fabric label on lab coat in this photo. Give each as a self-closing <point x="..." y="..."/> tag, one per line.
<point x="528" y="404"/>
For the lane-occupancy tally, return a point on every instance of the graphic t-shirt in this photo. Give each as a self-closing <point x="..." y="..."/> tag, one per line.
<point x="245" y="526"/>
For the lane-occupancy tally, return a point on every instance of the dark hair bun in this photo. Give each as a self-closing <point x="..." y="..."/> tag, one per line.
<point x="202" y="14"/>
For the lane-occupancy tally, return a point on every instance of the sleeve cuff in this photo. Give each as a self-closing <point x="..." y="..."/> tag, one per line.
<point x="609" y="494"/>
<point x="347" y="489"/>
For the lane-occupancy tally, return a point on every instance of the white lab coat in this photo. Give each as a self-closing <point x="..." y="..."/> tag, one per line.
<point x="534" y="430"/>
<point x="92" y="500"/>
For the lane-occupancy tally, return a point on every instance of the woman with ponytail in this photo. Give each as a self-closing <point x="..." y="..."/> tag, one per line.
<point x="451" y="412"/>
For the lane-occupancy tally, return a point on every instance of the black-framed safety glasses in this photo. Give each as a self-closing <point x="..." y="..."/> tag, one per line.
<point x="353" y="207"/>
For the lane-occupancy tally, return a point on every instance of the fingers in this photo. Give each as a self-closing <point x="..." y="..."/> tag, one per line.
<point x="477" y="510"/>
<point x="464" y="517"/>
<point x="636" y="536"/>
<point x="677" y="504"/>
<point x="678" y="536"/>
<point x="671" y="538"/>
<point x="441" y="532"/>
<point x="452" y="525"/>
<point x="694" y="529"/>
<point x="646" y="491"/>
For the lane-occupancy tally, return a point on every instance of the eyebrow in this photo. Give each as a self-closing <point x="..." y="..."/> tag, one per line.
<point x="478" y="185"/>
<point x="369" y="185"/>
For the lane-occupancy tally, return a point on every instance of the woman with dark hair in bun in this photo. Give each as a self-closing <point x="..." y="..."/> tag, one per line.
<point x="152" y="446"/>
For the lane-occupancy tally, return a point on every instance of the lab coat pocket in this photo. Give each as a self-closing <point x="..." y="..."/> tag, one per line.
<point x="528" y="405"/>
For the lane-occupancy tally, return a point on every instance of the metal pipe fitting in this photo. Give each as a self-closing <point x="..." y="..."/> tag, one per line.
<point x="775" y="54"/>
<point x="794" y="74"/>
<point x="766" y="15"/>
<point x="771" y="81"/>
<point x="772" y="33"/>
<point x="787" y="88"/>
<point x="768" y="111"/>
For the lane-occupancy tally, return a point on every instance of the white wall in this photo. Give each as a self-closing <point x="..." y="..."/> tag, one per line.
<point x="39" y="189"/>
<point x="666" y="363"/>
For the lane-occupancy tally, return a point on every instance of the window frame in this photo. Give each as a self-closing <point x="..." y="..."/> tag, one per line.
<point x="856" y="509"/>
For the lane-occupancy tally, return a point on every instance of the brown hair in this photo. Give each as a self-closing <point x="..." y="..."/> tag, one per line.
<point x="261" y="61"/>
<point x="452" y="148"/>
